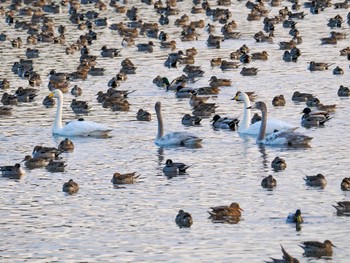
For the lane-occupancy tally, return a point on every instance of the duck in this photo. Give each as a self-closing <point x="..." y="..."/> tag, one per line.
<point x="109" y="52"/>
<point x="4" y="83"/>
<point x="226" y="65"/>
<point x="66" y="145"/>
<point x="5" y="110"/>
<point x="287" y="258"/>
<point x="55" y="166"/>
<point x="70" y="187"/>
<point x="12" y="171"/>
<point x="225" y="123"/>
<point x="75" y="128"/>
<point x="45" y="152"/>
<point x="316" y="180"/>
<point x="282" y="138"/>
<point x="278" y="164"/>
<point x="173" y="138"/>
<point x="345" y="184"/>
<point x="342" y="207"/>
<point x="48" y="102"/>
<point x="36" y="162"/>
<point x="195" y="100"/>
<point x="319" y="66"/>
<point x="168" y="44"/>
<point x="343" y="91"/>
<point x="173" y="168"/>
<point x="26" y="94"/>
<point x="249" y="71"/>
<point x="127" y="178"/>
<point x="76" y="91"/>
<point x="143" y="115"/>
<point x="279" y="100"/>
<point x="263" y="55"/>
<point x="338" y="71"/>
<point x="256" y="117"/>
<point x="317" y="249"/>
<point x="314" y="118"/>
<point x="301" y="97"/>
<point x="295" y="217"/>
<point x="253" y="129"/>
<point x="145" y="46"/>
<point x="80" y="106"/>
<point x="224" y="211"/>
<point x="188" y="120"/>
<point x="219" y="82"/>
<point x="269" y="182"/>
<point x="32" y="52"/>
<point x="183" y="219"/>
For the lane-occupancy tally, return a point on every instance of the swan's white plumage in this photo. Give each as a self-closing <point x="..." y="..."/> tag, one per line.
<point x="173" y="138"/>
<point x="253" y="129"/>
<point x="75" y="128"/>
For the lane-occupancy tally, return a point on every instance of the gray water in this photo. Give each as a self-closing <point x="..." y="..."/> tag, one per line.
<point x="135" y="223"/>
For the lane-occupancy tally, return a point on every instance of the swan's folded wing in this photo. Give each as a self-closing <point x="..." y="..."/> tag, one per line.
<point x="84" y="128"/>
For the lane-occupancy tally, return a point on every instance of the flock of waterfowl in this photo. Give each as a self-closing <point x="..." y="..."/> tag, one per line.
<point x="37" y="18"/>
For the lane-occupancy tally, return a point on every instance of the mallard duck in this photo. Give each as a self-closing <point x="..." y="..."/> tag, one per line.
<point x="278" y="164"/>
<point x="171" y="168"/>
<point x="143" y="115"/>
<point x="195" y="100"/>
<point x="317" y="249"/>
<point x="12" y="171"/>
<point x="338" y="71"/>
<point x="183" y="219"/>
<point x="314" y="118"/>
<point x="4" y="83"/>
<point x="46" y="152"/>
<point x="269" y="182"/>
<point x="189" y="120"/>
<point x="224" y="211"/>
<point x="316" y="180"/>
<point x="128" y="178"/>
<point x="286" y="258"/>
<point x="9" y="99"/>
<point x="32" y="52"/>
<point x="226" y="65"/>
<point x="225" y="123"/>
<point x="295" y="217"/>
<point x="342" y="207"/>
<point x="55" y="166"/>
<point x="260" y="55"/>
<point x="80" y="106"/>
<point x="216" y="62"/>
<point x="279" y="100"/>
<point x="345" y="184"/>
<point x="145" y="46"/>
<point x="70" y="187"/>
<point x="287" y="44"/>
<point x="26" y="94"/>
<point x="36" y="162"/>
<point x="109" y="52"/>
<point x="5" y="110"/>
<point x="343" y="91"/>
<point x="66" y="145"/>
<point x="76" y="91"/>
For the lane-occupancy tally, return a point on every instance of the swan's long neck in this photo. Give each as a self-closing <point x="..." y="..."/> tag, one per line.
<point x="246" y="117"/>
<point x="160" y="121"/>
<point x="262" y="130"/>
<point x="58" y="120"/>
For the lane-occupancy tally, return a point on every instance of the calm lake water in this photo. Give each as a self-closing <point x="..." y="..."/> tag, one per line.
<point x="135" y="223"/>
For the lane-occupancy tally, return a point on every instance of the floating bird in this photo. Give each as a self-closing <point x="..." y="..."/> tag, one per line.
<point x="278" y="164"/>
<point x="66" y="145"/>
<point x="173" y="138"/>
<point x="343" y="91"/>
<point x="36" y="162"/>
<point x="143" y="115"/>
<point x="317" y="249"/>
<point x="316" y="180"/>
<point x="314" y="118"/>
<point x="183" y="219"/>
<point x="269" y="182"/>
<point x="75" y="128"/>
<point x="189" y="120"/>
<point x="70" y="187"/>
<point x="12" y="171"/>
<point x="286" y="258"/>
<point x="298" y="96"/>
<point x="286" y="137"/>
<point x="279" y="100"/>
<point x="225" y="123"/>
<point x="253" y="129"/>
<point x="345" y="184"/>
<point x="226" y="213"/>
<point x="46" y="152"/>
<point x="342" y="207"/>
<point x="55" y="166"/>
<point x="295" y="217"/>
<point x="319" y="66"/>
<point x="171" y="168"/>
<point x="127" y="178"/>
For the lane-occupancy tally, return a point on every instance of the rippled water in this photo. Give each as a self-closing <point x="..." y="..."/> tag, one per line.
<point x="136" y="223"/>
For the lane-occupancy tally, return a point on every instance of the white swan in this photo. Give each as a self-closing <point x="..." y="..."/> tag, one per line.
<point x="173" y="138"/>
<point x="253" y="129"/>
<point x="77" y="127"/>
<point x="285" y="137"/>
